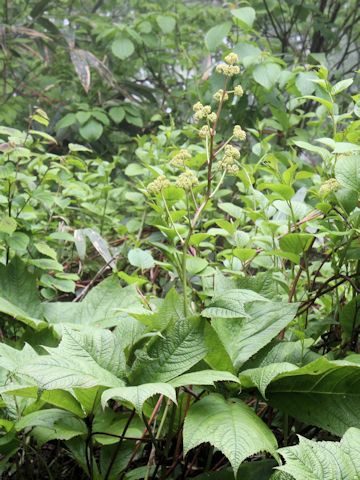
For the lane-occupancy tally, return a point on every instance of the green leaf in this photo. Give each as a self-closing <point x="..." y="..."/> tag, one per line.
<point x="231" y="304"/>
<point x="347" y="172"/>
<point x="195" y="265"/>
<point x="46" y="264"/>
<point x="46" y="250"/>
<point x="82" y="117"/>
<point x="314" y="460"/>
<point x="215" y="36"/>
<point x="117" y="114"/>
<point x="327" y="104"/>
<point x="80" y="360"/>
<point x="285" y="191"/>
<point x="8" y="225"/>
<point x="267" y="74"/>
<point x="296" y="242"/>
<point x="55" y="424"/>
<point x="246" y="15"/>
<point x="19" y="294"/>
<point x="137" y="396"/>
<point x="230" y="426"/>
<point x="342" y="85"/>
<point x="18" y="241"/>
<point x="322" y="393"/>
<point x="104" y="306"/>
<point x="242" y="338"/>
<point x="171" y="310"/>
<point x="166" y="23"/>
<point x="122" y="48"/>
<point x="91" y="131"/>
<point x="204" y="377"/>
<point x="262" y="376"/>
<point x="181" y="348"/>
<point x="141" y="258"/>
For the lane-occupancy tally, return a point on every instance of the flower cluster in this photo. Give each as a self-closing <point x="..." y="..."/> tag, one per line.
<point x="228" y="162"/>
<point x="238" y="91"/>
<point x="204" y="131"/>
<point x="239" y="133"/>
<point x="157" y="185"/>
<point x="231" y="58"/>
<point x="220" y="95"/>
<point x="204" y="111"/>
<point x="179" y="160"/>
<point x="331" y="185"/>
<point x="187" y="180"/>
<point x="229" y="68"/>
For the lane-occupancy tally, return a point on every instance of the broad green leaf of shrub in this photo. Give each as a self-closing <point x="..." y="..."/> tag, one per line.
<point x="58" y="398"/>
<point x="77" y="362"/>
<point x="18" y="286"/>
<point x="141" y="258"/>
<point x="312" y="460"/>
<point x="323" y="393"/>
<point x="295" y="242"/>
<point x="347" y="172"/>
<point x="230" y="426"/>
<point x="95" y="344"/>
<point x="262" y="376"/>
<point x="137" y="396"/>
<point x="103" y="306"/>
<point x="180" y="348"/>
<point x="267" y="74"/>
<point x="122" y="48"/>
<point x="166" y="23"/>
<point x="203" y="377"/>
<point x="117" y="114"/>
<point x="171" y="309"/>
<point x="91" y="131"/>
<point x="231" y="304"/>
<point x="242" y="338"/>
<point x="245" y="15"/>
<point x="51" y="424"/>
<point x="216" y="35"/>
<point x="15" y="312"/>
<point x="341" y="86"/>
<point x="8" y="225"/>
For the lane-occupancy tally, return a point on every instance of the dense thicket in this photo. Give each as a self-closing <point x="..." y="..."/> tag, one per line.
<point x="179" y="239"/>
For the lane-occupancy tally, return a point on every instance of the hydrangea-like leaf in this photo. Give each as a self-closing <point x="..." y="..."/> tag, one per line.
<point x="230" y="426"/>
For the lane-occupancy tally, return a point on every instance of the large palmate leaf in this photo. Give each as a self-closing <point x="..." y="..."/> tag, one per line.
<point x="230" y="426"/>
<point x="80" y="360"/>
<point x="137" y="396"/>
<point x="312" y="460"/>
<point x="231" y="304"/>
<point x="103" y="306"/>
<point x="242" y="338"/>
<point x="181" y="347"/>
<point x="323" y="393"/>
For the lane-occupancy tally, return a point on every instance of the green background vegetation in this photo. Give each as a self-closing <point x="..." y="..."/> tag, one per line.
<point x="174" y="320"/>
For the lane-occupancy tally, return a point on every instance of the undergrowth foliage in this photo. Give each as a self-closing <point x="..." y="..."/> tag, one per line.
<point x="218" y="335"/>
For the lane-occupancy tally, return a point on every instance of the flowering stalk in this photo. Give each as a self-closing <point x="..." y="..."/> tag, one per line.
<point x="187" y="179"/>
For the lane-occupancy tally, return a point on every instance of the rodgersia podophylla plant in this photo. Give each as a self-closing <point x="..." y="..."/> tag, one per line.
<point x="223" y="158"/>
